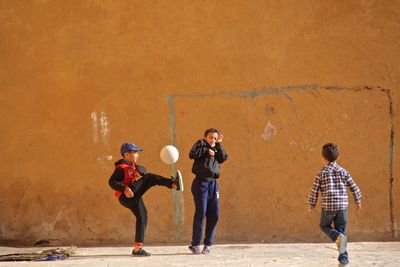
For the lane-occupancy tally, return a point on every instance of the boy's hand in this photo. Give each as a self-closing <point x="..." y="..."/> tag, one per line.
<point x="211" y="152"/>
<point x="311" y="209"/>
<point x="128" y="192"/>
<point x="358" y="205"/>
<point x="221" y="136"/>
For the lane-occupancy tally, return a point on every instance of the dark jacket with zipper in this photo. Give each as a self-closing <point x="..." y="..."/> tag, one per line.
<point x="204" y="165"/>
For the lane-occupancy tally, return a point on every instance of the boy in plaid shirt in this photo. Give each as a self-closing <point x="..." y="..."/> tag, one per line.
<point x="332" y="181"/>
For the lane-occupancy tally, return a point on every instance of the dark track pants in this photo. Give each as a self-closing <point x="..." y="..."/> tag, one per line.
<point x="136" y="204"/>
<point x="206" y="200"/>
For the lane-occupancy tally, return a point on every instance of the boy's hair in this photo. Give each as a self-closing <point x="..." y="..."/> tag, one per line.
<point x="330" y="152"/>
<point x="211" y="130"/>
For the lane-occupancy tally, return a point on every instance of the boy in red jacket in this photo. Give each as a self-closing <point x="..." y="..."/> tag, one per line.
<point x="130" y="181"/>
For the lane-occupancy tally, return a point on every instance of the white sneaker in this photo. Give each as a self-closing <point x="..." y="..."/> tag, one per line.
<point x="341" y="242"/>
<point x="178" y="181"/>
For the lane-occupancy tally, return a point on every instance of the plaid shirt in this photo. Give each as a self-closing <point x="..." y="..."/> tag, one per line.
<point x="332" y="181"/>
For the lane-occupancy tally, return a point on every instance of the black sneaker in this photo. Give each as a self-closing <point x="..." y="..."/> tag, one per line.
<point x="195" y="249"/>
<point x="140" y="253"/>
<point x="343" y="263"/>
<point x="178" y="181"/>
<point x="206" y="250"/>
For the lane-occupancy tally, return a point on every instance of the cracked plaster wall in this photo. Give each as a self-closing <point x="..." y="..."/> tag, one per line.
<point x="279" y="78"/>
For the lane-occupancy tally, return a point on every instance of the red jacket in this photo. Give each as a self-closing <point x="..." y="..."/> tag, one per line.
<point x="125" y="173"/>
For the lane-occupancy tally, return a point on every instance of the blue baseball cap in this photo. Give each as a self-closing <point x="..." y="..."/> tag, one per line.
<point x="126" y="147"/>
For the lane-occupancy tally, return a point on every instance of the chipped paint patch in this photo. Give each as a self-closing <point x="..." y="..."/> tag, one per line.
<point x="101" y="135"/>
<point x="104" y="128"/>
<point x="95" y="134"/>
<point x="106" y="157"/>
<point x="269" y="131"/>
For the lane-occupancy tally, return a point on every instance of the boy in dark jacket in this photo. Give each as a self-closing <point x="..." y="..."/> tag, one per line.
<point x="130" y="181"/>
<point x="207" y="154"/>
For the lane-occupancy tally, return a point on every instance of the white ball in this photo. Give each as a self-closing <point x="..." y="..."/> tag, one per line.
<point x="169" y="154"/>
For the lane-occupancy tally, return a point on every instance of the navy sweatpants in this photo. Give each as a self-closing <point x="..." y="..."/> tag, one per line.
<point x="206" y="200"/>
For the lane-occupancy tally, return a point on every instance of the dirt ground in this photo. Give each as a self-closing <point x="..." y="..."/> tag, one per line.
<point x="322" y="254"/>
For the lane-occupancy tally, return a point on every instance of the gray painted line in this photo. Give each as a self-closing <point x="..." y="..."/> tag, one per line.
<point x="254" y="92"/>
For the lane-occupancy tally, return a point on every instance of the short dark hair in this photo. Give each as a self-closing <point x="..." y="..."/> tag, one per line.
<point x="211" y="130"/>
<point x="330" y="152"/>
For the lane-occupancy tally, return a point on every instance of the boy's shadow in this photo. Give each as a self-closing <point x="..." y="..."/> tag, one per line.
<point x="173" y="254"/>
<point x="76" y="257"/>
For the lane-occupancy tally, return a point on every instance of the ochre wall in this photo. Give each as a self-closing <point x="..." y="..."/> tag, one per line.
<point x="278" y="78"/>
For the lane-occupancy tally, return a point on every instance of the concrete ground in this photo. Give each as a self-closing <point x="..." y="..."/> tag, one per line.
<point x="323" y="254"/>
